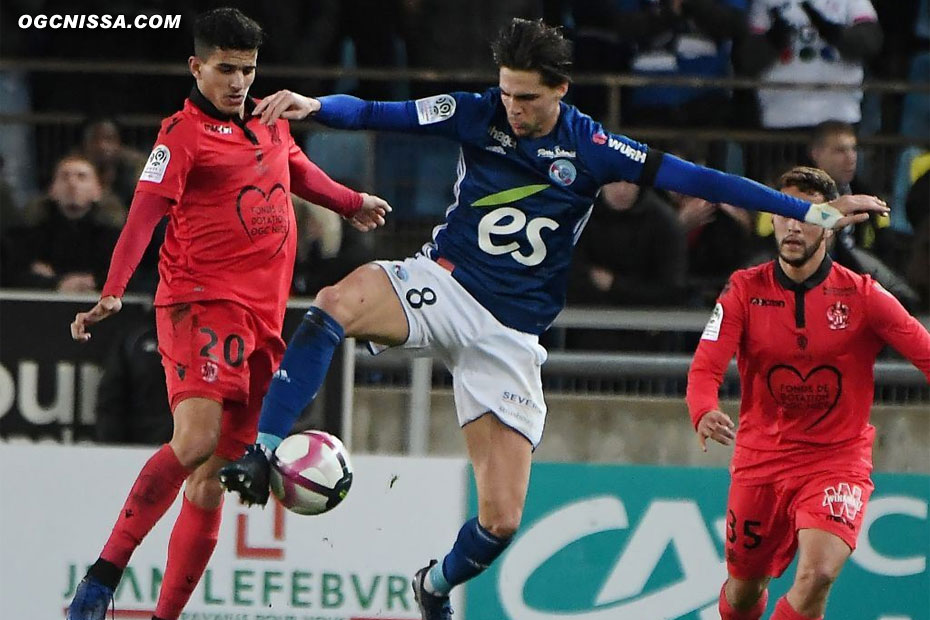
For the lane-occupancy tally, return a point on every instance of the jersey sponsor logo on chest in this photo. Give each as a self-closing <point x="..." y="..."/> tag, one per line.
<point x="556" y="151"/>
<point x="767" y="303"/>
<point x="501" y="137"/>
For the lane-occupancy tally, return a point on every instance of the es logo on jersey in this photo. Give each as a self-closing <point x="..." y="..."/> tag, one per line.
<point x="435" y="109"/>
<point x="156" y="165"/>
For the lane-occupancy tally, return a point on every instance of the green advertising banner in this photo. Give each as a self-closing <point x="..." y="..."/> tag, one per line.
<point x="601" y="542"/>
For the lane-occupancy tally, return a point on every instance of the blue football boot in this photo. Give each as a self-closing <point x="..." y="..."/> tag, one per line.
<point x="91" y="600"/>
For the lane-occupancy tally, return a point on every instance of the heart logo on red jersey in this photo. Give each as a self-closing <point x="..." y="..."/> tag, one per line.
<point x="264" y="214"/>
<point x="798" y="394"/>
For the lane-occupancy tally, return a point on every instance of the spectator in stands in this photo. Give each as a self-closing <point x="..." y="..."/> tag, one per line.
<point x="132" y="399"/>
<point x="834" y="149"/>
<point x="632" y="253"/>
<point x="326" y="250"/>
<point x="679" y="38"/>
<point x="10" y="214"/>
<point x="814" y="41"/>
<point x="68" y="248"/>
<point x="918" y="213"/>
<point x="119" y="166"/>
<point x="718" y="235"/>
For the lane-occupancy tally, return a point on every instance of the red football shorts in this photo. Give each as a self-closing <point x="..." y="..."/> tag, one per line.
<point x="763" y="520"/>
<point x="221" y="351"/>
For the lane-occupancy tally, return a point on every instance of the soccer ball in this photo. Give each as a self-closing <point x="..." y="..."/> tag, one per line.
<point x="310" y="472"/>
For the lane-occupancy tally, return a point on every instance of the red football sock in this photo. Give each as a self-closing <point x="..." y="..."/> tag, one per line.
<point x="727" y="612"/>
<point x="154" y="491"/>
<point x="192" y="542"/>
<point x="784" y="611"/>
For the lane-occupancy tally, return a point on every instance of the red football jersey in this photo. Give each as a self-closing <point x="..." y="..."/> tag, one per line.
<point x="231" y="233"/>
<point x="805" y="353"/>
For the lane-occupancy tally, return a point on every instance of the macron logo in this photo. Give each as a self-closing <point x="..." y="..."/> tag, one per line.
<point x="281" y="375"/>
<point x="634" y="154"/>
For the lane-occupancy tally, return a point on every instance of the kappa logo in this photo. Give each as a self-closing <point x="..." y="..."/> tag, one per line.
<point x="281" y="375"/>
<point x="838" y="316"/>
<point x="843" y="500"/>
<point x="599" y="137"/>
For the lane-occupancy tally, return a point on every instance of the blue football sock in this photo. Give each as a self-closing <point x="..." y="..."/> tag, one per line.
<point x="271" y="442"/>
<point x="473" y="551"/>
<point x="300" y="375"/>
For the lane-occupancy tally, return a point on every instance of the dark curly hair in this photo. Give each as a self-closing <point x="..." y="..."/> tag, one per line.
<point x="228" y="29"/>
<point x="527" y="45"/>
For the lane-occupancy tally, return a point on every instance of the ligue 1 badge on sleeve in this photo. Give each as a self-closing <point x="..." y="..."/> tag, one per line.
<point x="838" y="316"/>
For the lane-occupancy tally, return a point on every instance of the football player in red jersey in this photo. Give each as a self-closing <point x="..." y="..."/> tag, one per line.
<point x="224" y="179"/>
<point x="806" y="333"/>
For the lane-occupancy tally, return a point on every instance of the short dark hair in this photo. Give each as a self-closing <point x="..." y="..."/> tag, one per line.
<point x="225" y="28"/>
<point x="824" y="130"/>
<point x="531" y="45"/>
<point x="809" y="180"/>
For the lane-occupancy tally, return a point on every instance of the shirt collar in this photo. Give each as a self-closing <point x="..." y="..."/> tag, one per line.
<point x="813" y="280"/>
<point x="207" y="107"/>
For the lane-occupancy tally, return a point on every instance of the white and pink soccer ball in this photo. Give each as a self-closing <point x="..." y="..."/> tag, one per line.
<point x="310" y="472"/>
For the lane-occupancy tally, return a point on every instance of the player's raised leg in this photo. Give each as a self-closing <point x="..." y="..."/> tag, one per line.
<point x="364" y="305"/>
<point x="822" y="556"/>
<point x="501" y="458"/>
<point x="196" y="430"/>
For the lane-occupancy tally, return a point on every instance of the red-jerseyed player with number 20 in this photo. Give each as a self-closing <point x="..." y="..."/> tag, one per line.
<point x="806" y="333"/>
<point x="224" y="179"/>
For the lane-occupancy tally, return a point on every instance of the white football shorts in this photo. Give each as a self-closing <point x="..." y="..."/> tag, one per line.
<point x="494" y="367"/>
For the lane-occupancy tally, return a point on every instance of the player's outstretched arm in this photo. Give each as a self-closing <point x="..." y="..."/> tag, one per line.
<point x="285" y="104"/>
<point x="106" y="307"/>
<point x="687" y="178"/>
<point x="371" y="214"/>
<point x="715" y="425"/>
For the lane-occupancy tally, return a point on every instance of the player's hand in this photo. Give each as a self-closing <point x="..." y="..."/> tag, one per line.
<point x="372" y="213"/>
<point x="857" y="207"/>
<point x="285" y="104"/>
<point x="715" y="425"/>
<point x="107" y="306"/>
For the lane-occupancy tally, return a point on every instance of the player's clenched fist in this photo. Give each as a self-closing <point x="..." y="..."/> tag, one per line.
<point x="107" y="306"/>
<point x="715" y="425"/>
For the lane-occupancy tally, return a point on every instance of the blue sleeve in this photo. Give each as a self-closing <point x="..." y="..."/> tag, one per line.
<point x="442" y="115"/>
<point x="611" y="157"/>
<point x="682" y="176"/>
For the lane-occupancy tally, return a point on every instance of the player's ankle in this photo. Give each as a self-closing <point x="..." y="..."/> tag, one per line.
<point x="269" y="442"/>
<point x="106" y="573"/>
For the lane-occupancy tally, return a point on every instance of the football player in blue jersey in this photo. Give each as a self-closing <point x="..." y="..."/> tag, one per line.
<point x="494" y="275"/>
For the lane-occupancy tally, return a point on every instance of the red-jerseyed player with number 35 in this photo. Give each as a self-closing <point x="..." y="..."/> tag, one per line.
<point x="806" y="333"/>
<point x="224" y="179"/>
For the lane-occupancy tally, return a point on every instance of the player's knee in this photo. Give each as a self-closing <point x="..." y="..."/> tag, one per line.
<point x="193" y="449"/>
<point x="335" y="301"/>
<point x="816" y="579"/>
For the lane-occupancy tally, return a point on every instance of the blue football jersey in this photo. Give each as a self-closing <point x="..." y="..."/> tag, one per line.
<point x="520" y="204"/>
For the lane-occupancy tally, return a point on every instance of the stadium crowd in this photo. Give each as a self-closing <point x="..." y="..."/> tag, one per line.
<point x="60" y="219"/>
